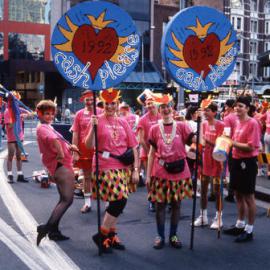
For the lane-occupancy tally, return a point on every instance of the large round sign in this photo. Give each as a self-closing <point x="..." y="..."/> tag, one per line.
<point x="199" y="48"/>
<point x="95" y="45"/>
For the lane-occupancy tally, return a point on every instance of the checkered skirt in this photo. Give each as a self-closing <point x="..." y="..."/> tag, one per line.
<point x="113" y="184"/>
<point x="164" y="190"/>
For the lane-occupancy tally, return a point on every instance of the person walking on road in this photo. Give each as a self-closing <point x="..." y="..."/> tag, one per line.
<point x="56" y="157"/>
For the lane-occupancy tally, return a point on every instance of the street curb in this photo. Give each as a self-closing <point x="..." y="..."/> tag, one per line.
<point x="262" y="194"/>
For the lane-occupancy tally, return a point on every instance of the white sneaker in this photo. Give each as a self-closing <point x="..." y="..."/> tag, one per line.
<point x="214" y="225"/>
<point x="201" y="221"/>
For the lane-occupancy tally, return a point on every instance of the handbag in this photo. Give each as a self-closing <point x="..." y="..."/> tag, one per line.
<point x="175" y="166"/>
<point x="127" y="158"/>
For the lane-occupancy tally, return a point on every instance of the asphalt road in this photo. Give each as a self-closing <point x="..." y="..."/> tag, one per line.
<point x="23" y="206"/>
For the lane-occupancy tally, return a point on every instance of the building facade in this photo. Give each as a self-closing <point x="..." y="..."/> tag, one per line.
<point x="25" y="46"/>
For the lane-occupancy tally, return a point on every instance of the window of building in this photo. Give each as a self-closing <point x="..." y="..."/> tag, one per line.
<point x="266" y="46"/>
<point x="1" y="9"/>
<point x="267" y="7"/>
<point x="240" y="45"/>
<point x="1" y="46"/>
<point x="266" y="72"/>
<point x="239" y="23"/>
<point x="253" y="47"/>
<point x="267" y="27"/>
<point x="253" y="69"/>
<point x="254" y="26"/>
<point x="34" y="11"/>
<point x="253" y="5"/>
<point x="23" y="46"/>
<point x="236" y="3"/>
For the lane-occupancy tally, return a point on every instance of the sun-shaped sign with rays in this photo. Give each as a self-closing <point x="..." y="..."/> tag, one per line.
<point x="95" y="45"/>
<point x="199" y="48"/>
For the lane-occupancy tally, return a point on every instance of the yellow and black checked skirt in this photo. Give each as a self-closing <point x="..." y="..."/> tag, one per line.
<point x="113" y="184"/>
<point x="166" y="191"/>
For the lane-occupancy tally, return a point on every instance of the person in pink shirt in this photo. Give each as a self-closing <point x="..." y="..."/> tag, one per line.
<point x="56" y="157"/>
<point x="265" y="120"/>
<point x="230" y="120"/>
<point x="84" y="160"/>
<point x="246" y="143"/>
<point x="117" y="179"/>
<point x="145" y="123"/>
<point x="168" y="183"/>
<point x="131" y="118"/>
<point x="13" y="148"/>
<point x="211" y="129"/>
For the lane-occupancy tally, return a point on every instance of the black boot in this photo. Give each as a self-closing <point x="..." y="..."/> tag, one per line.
<point x="42" y="232"/>
<point x="115" y="241"/>
<point x="57" y="236"/>
<point x="105" y="242"/>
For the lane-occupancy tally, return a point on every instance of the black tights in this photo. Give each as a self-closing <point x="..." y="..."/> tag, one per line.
<point x="65" y="187"/>
<point x="160" y="218"/>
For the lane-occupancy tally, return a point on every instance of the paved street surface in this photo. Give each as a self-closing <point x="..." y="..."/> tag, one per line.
<point x="29" y="205"/>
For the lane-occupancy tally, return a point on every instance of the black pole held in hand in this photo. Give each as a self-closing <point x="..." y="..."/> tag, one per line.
<point x="96" y="175"/>
<point x="195" y="175"/>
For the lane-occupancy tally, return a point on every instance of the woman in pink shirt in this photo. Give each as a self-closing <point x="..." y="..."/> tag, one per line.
<point x="84" y="160"/>
<point x="57" y="158"/>
<point x="246" y="143"/>
<point x="168" y="176"/>
<point x="117" y="179"/>
<point x="145" y="123"/>
<point x="211" y="129"/>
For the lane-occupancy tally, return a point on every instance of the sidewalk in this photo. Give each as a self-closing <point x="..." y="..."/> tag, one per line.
<point x="263" y="188"/>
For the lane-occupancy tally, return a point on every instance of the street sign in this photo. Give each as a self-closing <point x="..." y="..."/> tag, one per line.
<point x="95" y="45"/>
<point x="199" y="48"/>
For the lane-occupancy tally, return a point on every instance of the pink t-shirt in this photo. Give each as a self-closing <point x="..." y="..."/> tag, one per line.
<point x="145" y="123"/>
<point x="131" y="118"/>
<point x="211" y="167"/>
<point x="10" y="130"/>
<point x="114" y="136"/>
<point x="266" y="118"/>
<point x="247" y="132"/>
<point x="169" y="152"/>
<point x="230" y="121"/>
<point x="81" y="122"/>
<point x="45" y="136"/>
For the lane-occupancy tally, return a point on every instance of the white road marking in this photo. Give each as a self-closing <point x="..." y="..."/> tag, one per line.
<point x="49" y="252"/>
<point x="20" y="247"/>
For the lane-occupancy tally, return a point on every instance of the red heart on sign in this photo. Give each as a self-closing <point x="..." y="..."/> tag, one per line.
<point x="200" y="54"/>
<point x="96" y="48"/>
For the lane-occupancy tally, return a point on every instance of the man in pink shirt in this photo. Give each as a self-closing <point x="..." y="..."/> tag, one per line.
<point x="246" y="142"/>
<point x="146" y="122"/>
<point x="56" y="156"/>
<point x="230" y="120"/>
<point x="84" y="161"/>
<point x="211" y="129"/>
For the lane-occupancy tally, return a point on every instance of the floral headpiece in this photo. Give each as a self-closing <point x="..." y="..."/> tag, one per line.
<point x="206" y="102"/>
<point x="160" y="99"/>
<point x="86" y="94"/>
<point x="110" y="95"/>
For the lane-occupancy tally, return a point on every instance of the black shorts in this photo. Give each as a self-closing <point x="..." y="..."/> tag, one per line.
<point x="243" y="175"/>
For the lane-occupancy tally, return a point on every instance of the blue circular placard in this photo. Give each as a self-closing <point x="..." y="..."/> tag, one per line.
<point x="199" y="48"/>
<point x="95" y="45"/>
